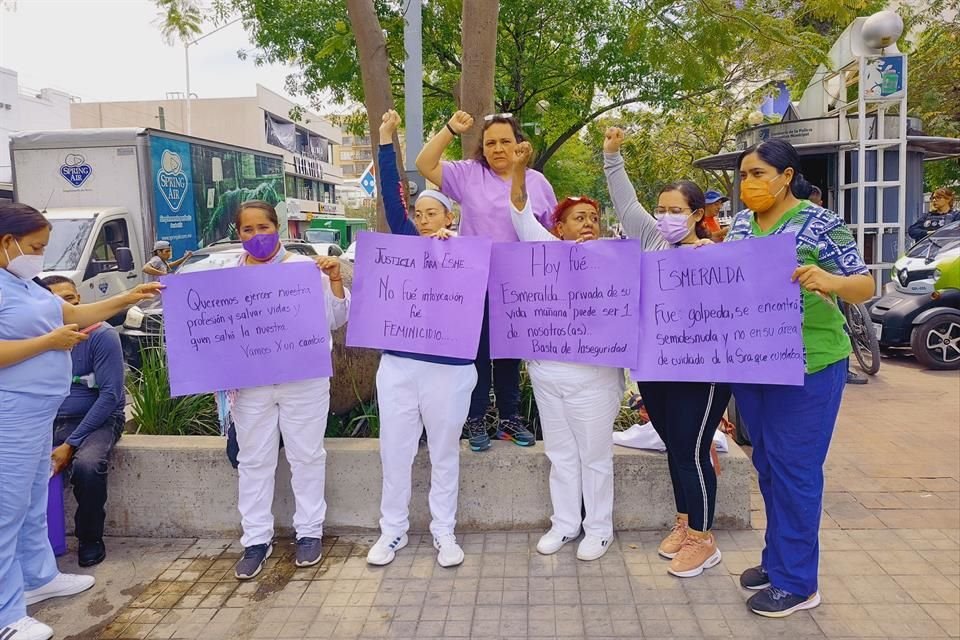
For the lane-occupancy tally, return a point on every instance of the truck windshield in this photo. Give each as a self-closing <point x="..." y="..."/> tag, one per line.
<point x="321" y="235"/>
<point x="68" y="237"/>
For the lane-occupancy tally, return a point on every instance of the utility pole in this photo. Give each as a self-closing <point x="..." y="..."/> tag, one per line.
<point x="186" y="57"/>
<point x="413" y="90"/>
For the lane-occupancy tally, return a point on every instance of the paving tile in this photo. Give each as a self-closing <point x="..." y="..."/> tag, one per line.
<point x="889" y="564"/>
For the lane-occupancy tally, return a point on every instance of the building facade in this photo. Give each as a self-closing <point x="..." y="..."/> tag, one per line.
<point x="259" y="122"/>
<point x="23" y="109"/>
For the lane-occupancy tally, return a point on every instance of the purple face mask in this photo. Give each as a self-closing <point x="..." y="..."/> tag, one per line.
<point x="673" y="227"/>
<point x="262" y="246"/>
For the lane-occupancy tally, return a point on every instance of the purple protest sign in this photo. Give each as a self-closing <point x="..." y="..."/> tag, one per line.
<point x="565" y="301"/>
<point x="245" y="327"/>
<point x="724" y="313"/>
<point x="419" y="295"/>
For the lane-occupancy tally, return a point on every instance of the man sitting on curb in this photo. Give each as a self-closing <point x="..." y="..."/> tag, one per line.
<point x="88" y="425"/>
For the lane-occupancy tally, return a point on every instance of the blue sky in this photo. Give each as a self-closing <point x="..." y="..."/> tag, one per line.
<point x="112" y="50"/>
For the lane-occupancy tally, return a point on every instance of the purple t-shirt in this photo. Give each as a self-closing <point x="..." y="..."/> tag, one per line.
<point x="484" y="199"/>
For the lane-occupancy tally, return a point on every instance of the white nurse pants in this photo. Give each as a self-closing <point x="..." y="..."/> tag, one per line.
<point x="413" y="395"/>
<point x="298" y="411"/>
<point x="578" y="405"/>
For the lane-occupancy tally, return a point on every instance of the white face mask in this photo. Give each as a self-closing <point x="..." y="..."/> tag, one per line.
<point x="23" y="266"/>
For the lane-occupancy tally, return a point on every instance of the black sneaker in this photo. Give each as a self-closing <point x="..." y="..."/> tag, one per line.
<point x="477" y="434"/>
<point x="755" y="578"/>
<point x="777" y="603"/>
<point x="514" y="430"/>
<point x="251" y="564"/>
<point x="855" y="378"/>
<point x="91" y="553"/>
<point x="309" y="551"/>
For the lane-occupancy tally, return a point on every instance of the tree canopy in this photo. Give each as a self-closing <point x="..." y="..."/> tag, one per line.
<point x="560" y="64"/>
<point x="934" y="85"/>
<point x="179" y="20"/>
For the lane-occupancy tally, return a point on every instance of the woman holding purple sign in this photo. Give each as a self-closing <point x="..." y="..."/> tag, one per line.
<point x="578" y="403"/>
<point x="791" y="427"/>
<point x="295" y="410"/>
<point x="482" y="187"/>
<point x="684" y="414"/>
<point x="416" y="391"/>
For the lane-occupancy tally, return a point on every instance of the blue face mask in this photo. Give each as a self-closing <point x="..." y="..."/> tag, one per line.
<point x="674" y="227"/>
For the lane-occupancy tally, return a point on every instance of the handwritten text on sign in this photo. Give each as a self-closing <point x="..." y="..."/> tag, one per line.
<point x="565" y="301"/>
<point x="419" y="295"/>
<point x="245" y="327"/>
<point x="725" y="313"/>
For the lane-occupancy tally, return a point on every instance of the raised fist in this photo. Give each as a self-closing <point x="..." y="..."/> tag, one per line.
<point x="391" y="120"/>
<point x="612" y="139"/>
<point x="461" y="122"/>
<point x="521" y="155"/>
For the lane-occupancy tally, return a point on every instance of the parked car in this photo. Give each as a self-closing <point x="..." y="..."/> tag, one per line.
<point x="919" y="310"/>
<point x="143" y="325"/>
<point x="351" y="252"/>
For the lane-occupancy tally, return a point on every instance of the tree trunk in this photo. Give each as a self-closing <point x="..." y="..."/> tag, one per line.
<point x="375" y="72"/>
<point x="479" y="41"/>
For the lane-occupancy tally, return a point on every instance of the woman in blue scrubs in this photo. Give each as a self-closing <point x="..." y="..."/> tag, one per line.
<point x="37" y="331"/>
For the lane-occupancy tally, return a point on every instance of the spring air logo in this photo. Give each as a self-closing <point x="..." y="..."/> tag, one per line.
<point x="171" y="179"/>
<point x="75" y="169"/>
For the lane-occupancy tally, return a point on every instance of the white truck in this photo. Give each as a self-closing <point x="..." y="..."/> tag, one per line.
<point x="111" y="193"/>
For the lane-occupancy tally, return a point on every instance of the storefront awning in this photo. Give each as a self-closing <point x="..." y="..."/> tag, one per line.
<point x="933" y="148"/>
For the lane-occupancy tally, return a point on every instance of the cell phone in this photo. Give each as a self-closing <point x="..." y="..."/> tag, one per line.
<point x="91" y="328"/>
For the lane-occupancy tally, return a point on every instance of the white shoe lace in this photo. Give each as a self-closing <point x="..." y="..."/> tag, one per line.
<point x="446" y="541"/>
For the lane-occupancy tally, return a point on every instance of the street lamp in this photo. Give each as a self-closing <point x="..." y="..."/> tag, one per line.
<point x="186" y="57"/>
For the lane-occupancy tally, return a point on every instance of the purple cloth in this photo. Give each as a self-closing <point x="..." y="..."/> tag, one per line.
<point x="484" y="199"/>
<point x="56" y="521"/>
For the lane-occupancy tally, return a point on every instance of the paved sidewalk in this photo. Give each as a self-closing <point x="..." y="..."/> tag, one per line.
<point x="890" y="563"/>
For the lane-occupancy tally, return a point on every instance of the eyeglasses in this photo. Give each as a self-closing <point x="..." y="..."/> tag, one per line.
<point x="659" y="211"/>
<point x="494" y="116"/>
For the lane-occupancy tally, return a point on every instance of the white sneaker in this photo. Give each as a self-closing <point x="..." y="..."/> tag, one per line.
<point x="26" y="628"/>
<point x="551" y="542"/>
<point x="592" y="547"/>
<point x="65" y="584"/>
<point x="385" y="550"/>
<point x="450" y="554"/>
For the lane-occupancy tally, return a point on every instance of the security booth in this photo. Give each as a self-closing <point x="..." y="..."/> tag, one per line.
<point x="856" y="141"/>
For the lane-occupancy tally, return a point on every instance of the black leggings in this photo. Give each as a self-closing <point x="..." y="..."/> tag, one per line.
<point x="686" y="415"/>
<point x="506" y="378"/>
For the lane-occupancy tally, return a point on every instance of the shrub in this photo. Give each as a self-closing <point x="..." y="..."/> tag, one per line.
<point x="156" y="413"/>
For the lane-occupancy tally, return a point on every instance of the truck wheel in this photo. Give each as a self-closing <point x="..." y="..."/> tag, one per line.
<point x="936" y="342"/>
<point x="741" y="436"/>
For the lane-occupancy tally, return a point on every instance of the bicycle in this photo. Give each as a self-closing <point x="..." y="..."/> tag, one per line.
<point x="863" y="339"/>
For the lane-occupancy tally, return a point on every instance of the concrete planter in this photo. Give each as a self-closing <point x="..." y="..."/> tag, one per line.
<point x="183" y="486"/>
